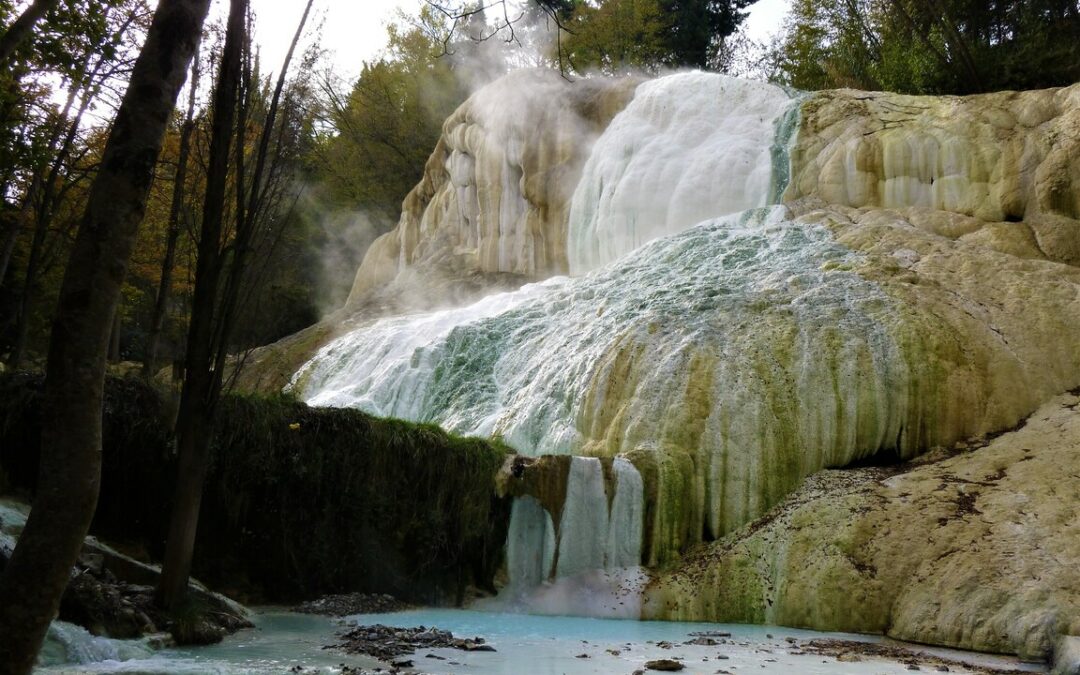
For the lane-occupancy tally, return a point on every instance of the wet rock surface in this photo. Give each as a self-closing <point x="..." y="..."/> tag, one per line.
<point x="111" y="594"/>
<point x="352" y="603"/>
<point x="664" y="665"/>
<point x="389" y="643"/>
<point x="852" y="651"/>
<point x="109" y="606"/>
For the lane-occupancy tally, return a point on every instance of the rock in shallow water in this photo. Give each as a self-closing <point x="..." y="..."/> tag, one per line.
<point x="387" y="643"/>
<point x="664" y="665"/>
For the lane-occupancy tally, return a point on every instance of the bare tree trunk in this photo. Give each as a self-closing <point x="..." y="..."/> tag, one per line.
<point x="114" y="339"/>
<point x="214" y="310"/>
<point x="20" y="29"/>
<point x="197" y="399"/>
<point x="10" y="222"/>
<point x="176" y="209"/>
<point x="70" y="470"/>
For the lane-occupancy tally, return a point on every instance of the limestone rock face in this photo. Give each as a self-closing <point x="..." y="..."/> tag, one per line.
<point x="496" y="191"/>
<point x="918" y="285"/>
<point x="998" y="157"/>
<point x="971" y="548"/>
<point x="735" y="359"/>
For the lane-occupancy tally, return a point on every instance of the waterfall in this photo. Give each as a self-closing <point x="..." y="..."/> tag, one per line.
<point x="736" y="349"/>
<point x="624" y="538"/>
<point x="583" y="530"/>
<point x="689" y="147"/>
<point x="600" y="526"/>
<point x="591" y="563"/>
<point x="530" y="544"/>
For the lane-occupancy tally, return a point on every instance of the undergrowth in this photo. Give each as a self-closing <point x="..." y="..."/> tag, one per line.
<point x="299" y="501"/>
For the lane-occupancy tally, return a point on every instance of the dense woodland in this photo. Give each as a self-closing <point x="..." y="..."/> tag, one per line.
<point x="344" y="153"/>
<point x="224" y="202"/>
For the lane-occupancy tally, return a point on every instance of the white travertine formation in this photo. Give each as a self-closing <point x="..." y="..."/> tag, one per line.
<point x="496" y="191"/>
<point x="919" y="285"/>
<point x="998" y="157"/>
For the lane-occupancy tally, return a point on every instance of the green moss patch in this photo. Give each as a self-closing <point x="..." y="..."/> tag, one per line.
<point x="299" y="501"/>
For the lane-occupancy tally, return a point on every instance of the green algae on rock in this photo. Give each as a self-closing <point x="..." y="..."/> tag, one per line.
<point x="972" y="548"/>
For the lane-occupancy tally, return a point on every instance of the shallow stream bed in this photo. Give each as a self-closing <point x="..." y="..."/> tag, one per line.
<point x="539" y="645"/>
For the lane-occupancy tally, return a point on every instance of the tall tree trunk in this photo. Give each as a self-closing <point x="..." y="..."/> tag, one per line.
<point x="176" y="210"/>
<point x="197" y="401"/>
<point x="21" y="28"/>
<point x="70" y="469"/>
<point x="10" y="228"/>
<point x="213" y="317"/>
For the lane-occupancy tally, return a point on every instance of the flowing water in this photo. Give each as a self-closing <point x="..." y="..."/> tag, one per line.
<point x="689" y="147"/>
<point x="682" y="276"/>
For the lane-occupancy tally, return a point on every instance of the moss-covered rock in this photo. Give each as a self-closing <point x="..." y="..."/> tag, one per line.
<point x="973" y="548"/>
<point x="299" y="501"/>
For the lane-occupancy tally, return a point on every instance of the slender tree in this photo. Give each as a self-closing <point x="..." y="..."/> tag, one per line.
<point x="218" y="280"/>
<point x="70" y="470"/>
<point x="175" y="227"/>
<point x="193" y="430"/>
<point x="21" y="28"/>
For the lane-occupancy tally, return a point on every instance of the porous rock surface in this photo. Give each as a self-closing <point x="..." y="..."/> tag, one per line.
<point x="495" y="194"/>
<point x="974" y="548"/>
<point x="963" y="215"/>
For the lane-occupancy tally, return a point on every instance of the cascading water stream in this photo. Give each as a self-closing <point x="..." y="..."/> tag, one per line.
<point x="689" y="147"/>
<point x="592" y="555"/>
<point x="685" y="303"/>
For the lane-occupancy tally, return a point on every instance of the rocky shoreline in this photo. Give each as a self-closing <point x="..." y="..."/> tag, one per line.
<point x="352" y="603"/>
<point x="112" y="595"/>
<point x="852" y="650"/>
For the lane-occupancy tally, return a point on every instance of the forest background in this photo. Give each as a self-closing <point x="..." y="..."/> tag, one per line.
<point x="345" y="151"/>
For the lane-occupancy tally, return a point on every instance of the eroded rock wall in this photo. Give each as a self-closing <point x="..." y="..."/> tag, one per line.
<point x="975" y="548"/>
<point x="496" y="191"/>
<point x="998" y="157"/>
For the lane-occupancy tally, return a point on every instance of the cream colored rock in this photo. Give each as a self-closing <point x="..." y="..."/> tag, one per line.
<point x="496" y="191"/>
<point x="977" y="549"/>
<point x="1003" y="156"/>
<point x="1067" y="656"/>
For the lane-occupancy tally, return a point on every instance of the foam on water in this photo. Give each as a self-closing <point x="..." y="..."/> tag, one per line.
<point x="67" y="643"/>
